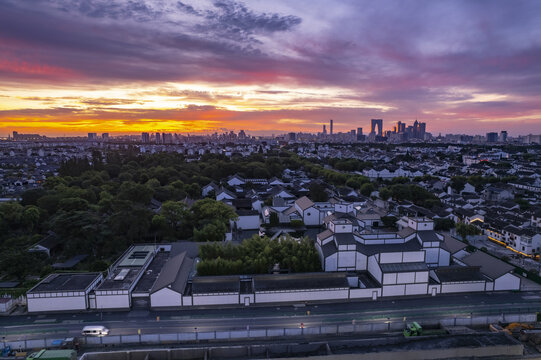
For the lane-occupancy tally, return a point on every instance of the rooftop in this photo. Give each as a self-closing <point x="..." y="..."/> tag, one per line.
<point x="304" y="281"/>
<point x="403" y="267"/>
<point x="65" y="282"/>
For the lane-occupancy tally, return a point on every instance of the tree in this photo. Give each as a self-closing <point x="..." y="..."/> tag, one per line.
<point x="214" y="231"/>
<point x="367" y="189"/>
<point x="389" y="221"/>
<point x="209" y="210"/>
<point x="465" y="230"/>
<point x="384" y="193"/>
<point x="273" y="219"/>
<point x="443" y="224"/>
<point x="30" y="217"/>
<point x="317" y="192"/>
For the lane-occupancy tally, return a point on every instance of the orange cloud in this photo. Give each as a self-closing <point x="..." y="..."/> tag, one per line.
<point x="27" y="68"/>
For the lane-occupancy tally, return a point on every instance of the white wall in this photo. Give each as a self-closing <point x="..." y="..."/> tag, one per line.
<point x="113" y="301"/>
<point x="417" y="289"/>
<point x="361" y="262"/>
<point x="313" y="218"/>
<point x="414" y="256"/>
<point x="445" y="258"/>
<point x="346" y="259"/>
<point x="165" y="298"/>
<point x="421" y="276"/>
<point x="389" y="279"/>
<point x="507" y="282"/>
<point x="466" y="287"/>
<point x="301" y="296"/>
<point x="215" y="299"/>
<point x="394" y="290"/>
<point x="374" y="269"/>
<point x="66" y="303"/>
<point x="405" y="278"/>
<point x="390" y="258"/>
<point x="432" y="255"/>
<point x="186" y="301"/>
<point x="331" y="263"/>
<point x="363" y="293"/>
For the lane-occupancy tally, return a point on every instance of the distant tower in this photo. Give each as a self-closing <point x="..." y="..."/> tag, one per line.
<point x="503" y="136"/>
<point x="359" y="134"/>
<point x="105" y="136"/>
<point x="158" y="138"/>
<point x="331" y="127"/>
<point x="379" y="124"/>
<point x="492" y="137"/>
<point x="145" y="137"/>
<point x="324" y="129"/>
<point x="422" y="130"/>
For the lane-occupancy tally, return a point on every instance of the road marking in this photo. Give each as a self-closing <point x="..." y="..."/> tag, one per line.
<point x="531" y="297"/>
<point x="44" y="321"/>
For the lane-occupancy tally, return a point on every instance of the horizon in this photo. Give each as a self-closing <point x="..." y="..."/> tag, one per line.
<point x="124" y="67"/>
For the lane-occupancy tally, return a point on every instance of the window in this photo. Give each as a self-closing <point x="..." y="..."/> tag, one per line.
<point x="308" y="214"/>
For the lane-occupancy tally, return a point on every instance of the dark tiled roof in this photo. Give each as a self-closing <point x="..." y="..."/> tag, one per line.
<point x="490" y="266"/>
<point x="459" y="273"/>
<point x="303" y="281"/>
<point x="403" y="267"/>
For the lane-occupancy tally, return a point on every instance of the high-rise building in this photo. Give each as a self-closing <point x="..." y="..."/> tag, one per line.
<point x="242" y="134"/>
<point x="291" y="136"/>
<point x="359" y="131"/>
<point x="105" y="136"/>
<point x="503" y="136"/>
<point x="324" y="129"/>
<point x="158" y="138"/>
<point x="145" y="137"/>
<point x="167" y="138"/>
<point x="422" y="130"/>
<point x="92" y="136"/>
<point x="492" y="137"/>
<point x="379" y="124"/>
<point x="331" y="127"/>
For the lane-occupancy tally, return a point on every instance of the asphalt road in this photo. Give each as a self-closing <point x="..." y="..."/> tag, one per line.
<point x="211" y="319"/>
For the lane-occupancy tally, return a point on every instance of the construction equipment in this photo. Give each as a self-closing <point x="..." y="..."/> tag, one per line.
<point x="413" y="329"/>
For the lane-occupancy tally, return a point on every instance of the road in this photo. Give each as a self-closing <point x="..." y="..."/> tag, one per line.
<point x="128" y="323"/>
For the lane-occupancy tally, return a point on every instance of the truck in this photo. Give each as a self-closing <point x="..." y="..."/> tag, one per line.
<point x="53" y="355"/>
<point x="414" y="329"/>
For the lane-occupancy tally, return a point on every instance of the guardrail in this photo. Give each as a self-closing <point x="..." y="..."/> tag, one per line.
<point x="352" y="327"/>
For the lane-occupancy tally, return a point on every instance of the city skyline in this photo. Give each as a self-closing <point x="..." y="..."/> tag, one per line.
<point x="126" y="67"/>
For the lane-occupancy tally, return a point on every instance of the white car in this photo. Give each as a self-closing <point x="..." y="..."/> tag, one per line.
<point x="95" y="330"/>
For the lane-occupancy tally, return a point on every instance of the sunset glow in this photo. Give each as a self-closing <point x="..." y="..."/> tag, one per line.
<point x="73" y="67"/>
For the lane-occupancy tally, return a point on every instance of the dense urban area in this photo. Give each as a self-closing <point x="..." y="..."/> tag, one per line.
<point x="163" y="221"/>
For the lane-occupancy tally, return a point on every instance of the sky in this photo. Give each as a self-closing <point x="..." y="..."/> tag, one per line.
<point x="69" y="67"/>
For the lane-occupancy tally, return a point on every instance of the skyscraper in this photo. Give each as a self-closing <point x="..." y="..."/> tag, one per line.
<point x="158" y="138"/>
<point x="324" y="129"/>
<point x="92" y="136"/>
<point x="331" y="127"/>
<point x="503" y="136"/>
<point x="145" y="138"/>
<point x="105" y="136"/>
<point x="379" y="124"/>
<point x="422" y="130"/>
<point x="492" y="137"/>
